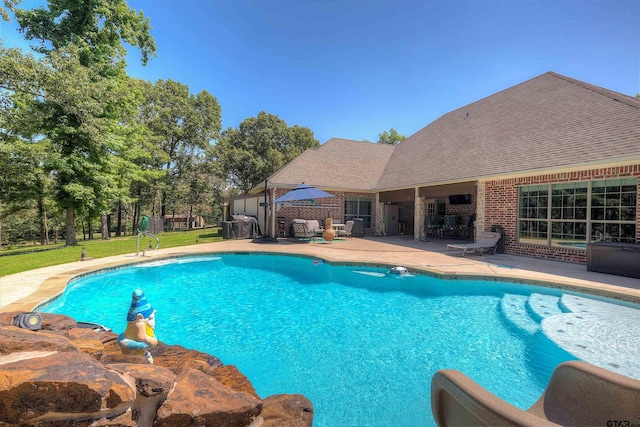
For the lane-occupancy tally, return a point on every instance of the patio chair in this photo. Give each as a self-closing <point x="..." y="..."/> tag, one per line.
<point x="433" y="224"/>
<point x="578" y="394"/>
<point x="486" y="240"/>
<point x="467" y="226"/>
<point x="314" y="225"/>
<point x="346" y="231"/>
<point x="450" y="227"/>
<point x="300" y="230"/>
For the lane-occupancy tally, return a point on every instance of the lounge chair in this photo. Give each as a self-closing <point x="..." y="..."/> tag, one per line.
<point x="486" y="240"/>
<point x="578" y="394"/>
<point x="346" y="231"/>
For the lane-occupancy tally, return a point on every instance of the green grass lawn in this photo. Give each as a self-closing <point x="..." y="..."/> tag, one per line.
<point x="10" y="264"/>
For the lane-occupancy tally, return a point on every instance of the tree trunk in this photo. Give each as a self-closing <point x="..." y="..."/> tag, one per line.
<point x="104" y="227"/>
<point x="71" y="228"/>
<point x="41" y="219"/>
<point x="90" y="228"/>
<point x="46" y="227"/>
<point x="136" y="219"/>
<point x="119" y="220"/>
<point x="189" y="219"/>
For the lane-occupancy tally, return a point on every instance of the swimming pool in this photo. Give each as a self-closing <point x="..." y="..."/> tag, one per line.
<point x="362" y="345"/>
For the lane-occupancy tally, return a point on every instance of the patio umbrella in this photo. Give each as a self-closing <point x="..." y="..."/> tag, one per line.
<point x="303" y="192"/>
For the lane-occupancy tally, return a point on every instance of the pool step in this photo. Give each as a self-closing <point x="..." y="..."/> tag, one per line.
<point x="526" y="312"/>
<point x="514" y="309"/>
<point x="541" y="306"/>
<point x="592" y="330"/>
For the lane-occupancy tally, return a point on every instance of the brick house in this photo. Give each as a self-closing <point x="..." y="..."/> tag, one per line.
<point x="553" y="161"/>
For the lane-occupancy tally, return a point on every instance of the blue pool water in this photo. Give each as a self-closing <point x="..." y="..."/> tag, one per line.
<point x="362" y="345"/>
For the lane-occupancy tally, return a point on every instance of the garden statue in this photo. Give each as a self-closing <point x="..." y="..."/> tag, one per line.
<point x="139" y="336"/>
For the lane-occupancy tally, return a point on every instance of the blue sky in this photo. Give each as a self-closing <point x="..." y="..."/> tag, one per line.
<point x="353" y="69"/>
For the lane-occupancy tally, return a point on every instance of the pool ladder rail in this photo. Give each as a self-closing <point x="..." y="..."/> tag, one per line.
<point x="144" y="251"/>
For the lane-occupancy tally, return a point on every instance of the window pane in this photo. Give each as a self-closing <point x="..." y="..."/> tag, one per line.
<point x="350" y="207"/>
<point x="598" y="232"/>
<point x="569" y="234"/>
<point x="533" y="232"/>
<point x="628" y="199"/>
<point x="597" y="214"/>
<point x="613" y="200"/>
<point x="365" y="207"/>
<point x="597" y="199"/>
<point x="613" y="186"/>
<point x="613" y="230"/>
<point x="628" y="214"/>
<point x="628" y="233"/>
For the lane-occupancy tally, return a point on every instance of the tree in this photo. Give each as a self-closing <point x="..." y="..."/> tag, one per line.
<point x="259" y="147"/>
<point x="9" y="4"/>
<point x="391" y="137"/>
<point x="77" y="92"/>
<point x="23" y="180"/>
<point x="181" y="125"/>
<point x="97" y="27"/>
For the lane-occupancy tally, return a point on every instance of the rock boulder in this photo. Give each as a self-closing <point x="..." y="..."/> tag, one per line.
<point x="200" y="400"/>
<point x="46" y="389"/>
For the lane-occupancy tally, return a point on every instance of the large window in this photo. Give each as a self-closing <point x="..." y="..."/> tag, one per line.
<point x="575" y="213"/>
<point x="358" y="207"/>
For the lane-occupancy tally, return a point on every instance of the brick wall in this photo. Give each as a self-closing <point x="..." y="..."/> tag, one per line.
<point x="501" y="204"/>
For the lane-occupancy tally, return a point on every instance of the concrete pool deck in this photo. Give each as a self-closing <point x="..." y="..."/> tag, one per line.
<point x="28" y="290"/>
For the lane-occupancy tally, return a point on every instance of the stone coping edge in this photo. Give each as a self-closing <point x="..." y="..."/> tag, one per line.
<point x="53" y="287"/>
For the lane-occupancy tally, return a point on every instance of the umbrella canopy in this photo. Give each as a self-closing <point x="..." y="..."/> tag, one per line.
<point x="303" y="192"/>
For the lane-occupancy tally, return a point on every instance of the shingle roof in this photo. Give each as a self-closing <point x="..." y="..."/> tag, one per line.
<point x="337" y="164"/>
<point x="550" y="121"/>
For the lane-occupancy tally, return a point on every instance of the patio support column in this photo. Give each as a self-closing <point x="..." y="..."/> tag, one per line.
<point x="481" y="201"/>
<point x="418" y="215"/>
<point x="272" y="220"/>
<point x="379" y="207"/>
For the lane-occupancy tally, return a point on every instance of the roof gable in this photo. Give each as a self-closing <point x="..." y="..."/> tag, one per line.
<point x="337" y="164"/>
